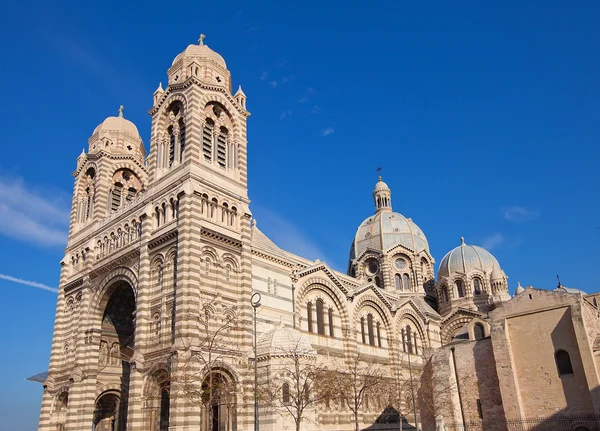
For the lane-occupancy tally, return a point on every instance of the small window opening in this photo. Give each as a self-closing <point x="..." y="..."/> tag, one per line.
<point x="563" y="363"/>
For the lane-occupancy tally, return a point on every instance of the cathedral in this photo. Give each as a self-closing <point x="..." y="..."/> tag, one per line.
<point x="164" y="257"/>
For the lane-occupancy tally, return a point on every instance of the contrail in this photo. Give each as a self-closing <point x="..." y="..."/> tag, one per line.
<point x="28" y="283"/>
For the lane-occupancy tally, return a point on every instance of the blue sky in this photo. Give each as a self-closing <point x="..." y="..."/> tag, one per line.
<point x="484" y="118"/>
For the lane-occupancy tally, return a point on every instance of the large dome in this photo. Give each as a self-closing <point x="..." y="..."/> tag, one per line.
<point x="201" y="52"/>
<point x="466" y="257"/>
<point x="385" y="230"/>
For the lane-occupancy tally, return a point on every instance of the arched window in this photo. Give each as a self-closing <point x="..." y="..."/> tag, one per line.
<point x="157" y="215"/>
<point x="285" y="394"/>
<point x="459" y="288"/>
<point x="476" y="286"/>
<point x="228" y="273"/>
<point x="563" y="362"/>
<point x="444" y="293"/>
<point x="172" y="144"/>
<point x="406" y="282"/>
<point x="320" y="320"/>
<point x="371" y="329"/>
<point x="222" y="147"/>
<point x="207" y="139"/>
<point x="403" y="339"/>
<point x="130" y="194"/>
<point x="330" y="313"/>
<point x="309" y="318"/>
<point x="398" y="281"/>
<point x="478" y="331"/>
<point x="181" y="138"/>
<point x="115" y="196"/>
<point x="378" y="334"/>
<point x="224" y="212"/>
<point x="207" y="266"/>
<point x="409" y="342"/>
<point x="362" y="330"/>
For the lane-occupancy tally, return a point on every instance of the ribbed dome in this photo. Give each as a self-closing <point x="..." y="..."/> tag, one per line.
<point x="385" y="230"/>
<point x="381" y="186"/>
<point x="282" y="341"/>
<point x="467" y="257"/>
<point x="201" y="52"/>
<point x="118" y="124"/>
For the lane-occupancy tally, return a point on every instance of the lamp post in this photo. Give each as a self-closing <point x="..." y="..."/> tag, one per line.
<point x="412" y="388"/>
<point x="255" y="301"/>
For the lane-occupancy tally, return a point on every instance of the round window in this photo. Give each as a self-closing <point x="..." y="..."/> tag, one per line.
<point x="372" y="266"/>
<point x="400" y="264"/>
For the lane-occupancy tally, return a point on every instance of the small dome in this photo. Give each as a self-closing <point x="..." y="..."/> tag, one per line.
<point x="520" y="289"/>
<point x="385" y="230"/>
<point x="117" y="135"/>
<point x="497" y="274"/>
<point x="381" y="187"/>
<point x="118" y="124"/>
<point x="201" y="52"/>
<point x="282" y="341"/>
<point x="469" y="257"/>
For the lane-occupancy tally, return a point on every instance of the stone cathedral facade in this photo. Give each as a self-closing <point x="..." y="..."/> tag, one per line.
<point x="163" y="251"/>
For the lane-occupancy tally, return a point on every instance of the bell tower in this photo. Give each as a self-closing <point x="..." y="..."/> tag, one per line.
<point x="198" y="123"/>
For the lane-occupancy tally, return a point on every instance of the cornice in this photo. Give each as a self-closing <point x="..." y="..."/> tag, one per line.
<point x="73" y="285"/>
<point x="215" y="236"/>
<point x="114" y="262"/>
<point x="188" y="83"/>
<point x="463" y="312"/>
<point x="93" y="157"/>
<point x="162" y="239"/>
<point x="324" y="268"/>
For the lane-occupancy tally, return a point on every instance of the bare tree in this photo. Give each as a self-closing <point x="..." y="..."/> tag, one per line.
<point x="360" y="379"/>
<point x="198" y="377"/>
<point x="296" y="381"/>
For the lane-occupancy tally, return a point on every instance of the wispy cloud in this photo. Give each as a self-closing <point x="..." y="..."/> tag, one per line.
<point x="34" y="217"/>
<point x="286" y="234"/>
<point x="492" y="241"/>
<point x="274" y="83"/>
<point x="264" y="76"/>
<point x="328" y="131"/>
<point x="28" y="283"/>
<point x="285" y="114"/>
<point x="519" y="214"/>
<point x="315" y="109"/>
<point x="303" y="99"/>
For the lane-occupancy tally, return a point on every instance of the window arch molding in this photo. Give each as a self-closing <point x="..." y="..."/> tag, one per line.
<point x="405" y="318"/>
<point x="460" y="287"/>
<point x="312" y="288"/>
<point x="323" y="312"/>
<point x="370" y="305"/>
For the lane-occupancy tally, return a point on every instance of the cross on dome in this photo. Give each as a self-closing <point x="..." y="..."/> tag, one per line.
<point x="201" y="39"/>
<point x="121" y="108"/>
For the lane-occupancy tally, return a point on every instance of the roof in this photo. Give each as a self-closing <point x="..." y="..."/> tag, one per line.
<point x="467" y="257"/>
<point x="282" y="341"/>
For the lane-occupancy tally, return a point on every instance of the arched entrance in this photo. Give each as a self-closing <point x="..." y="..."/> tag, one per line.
<point x="116" y="349"/>
<point x="158" y="401"/>
<point x="218" y="399"/>
<point x="106" y="412"/>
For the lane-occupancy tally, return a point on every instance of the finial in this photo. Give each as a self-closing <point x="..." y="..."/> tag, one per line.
<point x="253" y="222"/>
<point x="379" y="173"/>
<point x="558" y="278"/>
<point x="160" y="87"/>
<point x="201" y="39"/>
<point x="121" y="111"/>
<point x="82" y="152"/>
<point x="462" y="240"/>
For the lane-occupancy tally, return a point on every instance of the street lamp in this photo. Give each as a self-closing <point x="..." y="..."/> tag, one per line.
<point x="255" y="301"/>
<point x="412" y="388"/>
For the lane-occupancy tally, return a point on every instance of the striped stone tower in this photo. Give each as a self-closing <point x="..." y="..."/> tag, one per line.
<point x="156" y="280"/>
